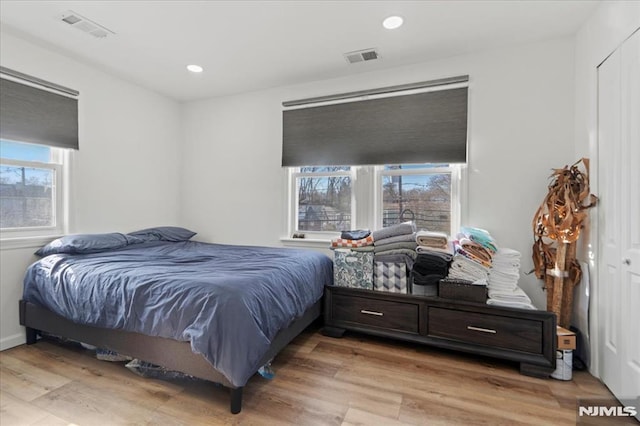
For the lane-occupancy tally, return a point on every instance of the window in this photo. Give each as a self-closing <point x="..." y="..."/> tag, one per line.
<point x="420" y="193"/>
<point x="39" y="129"/>
<point x="30" y="189"/>
<point x="323" y="198"/>
<point x="326" y="200"/>
<point x="381" y="135"/>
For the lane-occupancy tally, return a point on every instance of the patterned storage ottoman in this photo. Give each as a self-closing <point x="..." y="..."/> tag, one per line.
<point x="353" y="269"/>
<point x="390" y="276"/>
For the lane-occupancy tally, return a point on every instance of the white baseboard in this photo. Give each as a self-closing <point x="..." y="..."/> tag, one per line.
<point x="12" y="341"/>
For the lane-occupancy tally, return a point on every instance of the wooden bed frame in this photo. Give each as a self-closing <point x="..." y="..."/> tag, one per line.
<point x="169" y="353"/>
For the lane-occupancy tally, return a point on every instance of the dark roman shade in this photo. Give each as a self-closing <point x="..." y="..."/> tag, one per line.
<point x="416" y="123"/>
<point x="30" y="114"/>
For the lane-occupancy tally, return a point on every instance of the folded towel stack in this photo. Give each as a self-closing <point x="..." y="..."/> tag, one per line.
<point x="464" y="268"/>
<point x="394" y="230"/>
<point x="396" y="243"/>
<point x="512" y="299"/>
<point x="473" y="255"/>
<point x="503" y="281"/>
<point x="430" y="267"/>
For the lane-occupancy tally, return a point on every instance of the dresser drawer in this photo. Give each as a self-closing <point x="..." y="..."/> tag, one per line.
<point x="375" y="312"/>
<point x="486" y="329"/>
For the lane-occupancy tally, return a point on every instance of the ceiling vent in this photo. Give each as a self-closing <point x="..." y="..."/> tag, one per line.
<point x="361" y="56"/>
<point x="86" y="25"/>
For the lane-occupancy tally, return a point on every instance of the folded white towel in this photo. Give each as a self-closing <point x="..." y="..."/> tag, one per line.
<point x="515" y="295"/>
<point x="520" y="305"/>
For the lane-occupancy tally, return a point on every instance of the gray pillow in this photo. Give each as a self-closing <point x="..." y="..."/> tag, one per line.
<point x="164" y="233"/>
<point x="88" y="243"/>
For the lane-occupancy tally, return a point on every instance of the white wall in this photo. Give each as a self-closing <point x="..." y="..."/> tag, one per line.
<point x="520" y="127"/>
<point x="606" y="29"/>
<point x="126" y="173"/>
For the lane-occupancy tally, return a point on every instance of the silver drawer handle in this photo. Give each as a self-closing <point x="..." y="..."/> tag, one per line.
<point x="378" y="314"/>
<point x="484" y="330"/>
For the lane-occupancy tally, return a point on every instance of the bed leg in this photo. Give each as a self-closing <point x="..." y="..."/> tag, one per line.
<point x="32" y="335"/>
<point x="236" y="400"/>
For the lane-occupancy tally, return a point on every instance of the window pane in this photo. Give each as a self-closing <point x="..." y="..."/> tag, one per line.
<point x="25" y="151"/>
<point x="324" y="203"/>
<point x="425" y="199"/>
<point x="26" y="197"/>
<point x="324" y="169"/>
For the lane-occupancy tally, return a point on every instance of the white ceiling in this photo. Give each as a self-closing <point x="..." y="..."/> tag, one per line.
<point x="251" y="45"/>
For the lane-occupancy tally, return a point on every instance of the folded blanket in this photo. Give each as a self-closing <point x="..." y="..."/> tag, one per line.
<point x="426" y="279"/>
<point x="396" y="239"/>
<point x="408" y="245"/>
<point x="427" y="249"/>
<point x="432" y="239"/>
<point x="459" y="250"/>
<point x="479" y="236"/>
<point x="392" y="231"/>
<point x="340" y="242"/>
<point x="428" y="264"/>
<point x="357" y="234"/>
<point x="476" y="250"/>
<point x="447" y="257"/>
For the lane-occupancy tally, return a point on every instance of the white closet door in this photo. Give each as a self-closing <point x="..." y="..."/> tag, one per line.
<point x="619" y="219"/>
<point x="630" y="238"/>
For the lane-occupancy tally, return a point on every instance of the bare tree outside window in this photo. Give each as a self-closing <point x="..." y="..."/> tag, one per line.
<point x="26" y="197"/>
<point x="324" y="201"/>
<point x="422" y="198"/>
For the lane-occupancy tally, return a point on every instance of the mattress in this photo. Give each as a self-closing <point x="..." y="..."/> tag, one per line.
<point x="228" y="301"/>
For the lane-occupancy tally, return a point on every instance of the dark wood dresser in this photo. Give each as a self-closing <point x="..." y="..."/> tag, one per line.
<point x="524" y="336"/>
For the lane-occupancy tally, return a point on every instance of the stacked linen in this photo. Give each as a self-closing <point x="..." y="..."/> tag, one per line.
<point x="463" y="268"/>
<point x="428" y="269"/>
<point x="473" y="256"/>
<point x="435" y="253"/>
<point x="476" y="244"/>
<point x="396" y="243"/>
<point x="503" y="281"/>
<point x="429" y="242"/>
<point x="393" y="254"/>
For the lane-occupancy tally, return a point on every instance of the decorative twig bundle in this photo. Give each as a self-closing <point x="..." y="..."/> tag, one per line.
<point x="556" y="228"/>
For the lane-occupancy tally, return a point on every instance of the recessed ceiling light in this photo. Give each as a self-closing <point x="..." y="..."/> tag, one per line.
<point x="392" y="22"/>
<point x="195" y="68"/>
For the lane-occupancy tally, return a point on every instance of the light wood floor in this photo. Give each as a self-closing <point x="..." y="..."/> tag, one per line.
<point x="356" y="380"/>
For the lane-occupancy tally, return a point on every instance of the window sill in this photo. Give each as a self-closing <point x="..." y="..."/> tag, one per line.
<point x="25" y="242"/>
<point x="306" y="242"/>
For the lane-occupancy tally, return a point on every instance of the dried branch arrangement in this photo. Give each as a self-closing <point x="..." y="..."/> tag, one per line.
<point x="556" y="229"/>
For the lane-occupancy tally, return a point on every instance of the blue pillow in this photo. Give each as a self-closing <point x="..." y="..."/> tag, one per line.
<point x="164" y="233"/>
<point x="88" y="243"/>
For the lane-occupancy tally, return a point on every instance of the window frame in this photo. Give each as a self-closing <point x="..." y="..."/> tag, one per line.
<point x="59" y="164"/>
<point x="294" y="174"/>
<point x="367" y="196"/>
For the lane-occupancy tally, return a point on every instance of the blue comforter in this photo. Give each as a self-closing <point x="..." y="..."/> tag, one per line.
<point x="228" y="301"/>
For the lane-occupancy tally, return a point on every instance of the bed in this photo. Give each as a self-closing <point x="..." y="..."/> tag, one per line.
<point x="214" y="311"/>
